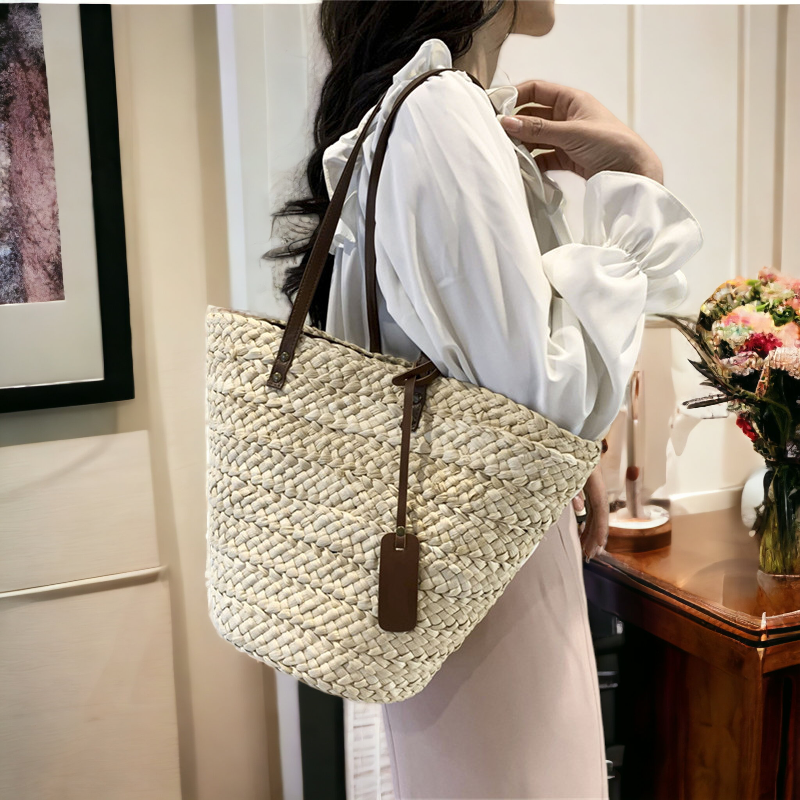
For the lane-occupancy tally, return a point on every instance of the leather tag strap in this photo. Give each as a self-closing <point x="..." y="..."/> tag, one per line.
<point x="398" y="572"/>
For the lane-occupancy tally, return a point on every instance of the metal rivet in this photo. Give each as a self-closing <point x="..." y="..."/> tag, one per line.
<point x="284" y="356"/>
<point x="276" y="377"/>
<point x="400" y="535"/>
<point x="417" y="397"/>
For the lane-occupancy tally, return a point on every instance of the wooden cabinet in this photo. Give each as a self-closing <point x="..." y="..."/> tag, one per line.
<point x="709" y="685"/>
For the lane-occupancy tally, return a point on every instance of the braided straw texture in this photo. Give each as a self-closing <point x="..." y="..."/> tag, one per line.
<point x="302" y="485"/>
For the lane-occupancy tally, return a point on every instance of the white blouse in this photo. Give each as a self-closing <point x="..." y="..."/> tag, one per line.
<point x="476" y="265"/>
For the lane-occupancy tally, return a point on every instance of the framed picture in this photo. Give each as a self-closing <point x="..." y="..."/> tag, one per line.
<point x="65" y="336"/>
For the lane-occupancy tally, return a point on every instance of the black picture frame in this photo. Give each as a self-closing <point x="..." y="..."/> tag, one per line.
<point x="109" y="223"/>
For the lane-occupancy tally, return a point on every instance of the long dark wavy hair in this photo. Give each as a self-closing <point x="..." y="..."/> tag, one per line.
<point x="367" y="42"/>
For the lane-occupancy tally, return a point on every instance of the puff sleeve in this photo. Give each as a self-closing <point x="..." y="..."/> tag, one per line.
<point x="461" y="271"/>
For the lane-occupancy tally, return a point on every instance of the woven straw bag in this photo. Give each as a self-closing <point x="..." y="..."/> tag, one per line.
<point x="314" y="446"/>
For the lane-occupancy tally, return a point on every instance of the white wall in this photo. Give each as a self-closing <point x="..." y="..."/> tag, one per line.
<point x="175" y="219"/>
<point x="268" y="72"/>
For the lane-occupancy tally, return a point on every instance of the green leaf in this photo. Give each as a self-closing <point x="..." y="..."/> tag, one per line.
<point x="781" y="315"/>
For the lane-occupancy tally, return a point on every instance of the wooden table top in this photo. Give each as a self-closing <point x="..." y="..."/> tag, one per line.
<point x="706" y="577"/>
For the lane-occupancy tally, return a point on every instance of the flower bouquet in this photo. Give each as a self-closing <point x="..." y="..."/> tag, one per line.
<point x="747" y="336"/>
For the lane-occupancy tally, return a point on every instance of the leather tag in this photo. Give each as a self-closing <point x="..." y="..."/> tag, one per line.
<point x="397" y="583"/>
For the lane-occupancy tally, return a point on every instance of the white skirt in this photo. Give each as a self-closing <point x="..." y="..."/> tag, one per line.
<point x="514" y="713"/>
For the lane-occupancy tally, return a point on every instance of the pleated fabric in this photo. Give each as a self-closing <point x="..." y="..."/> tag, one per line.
<point x="515" y="712"/>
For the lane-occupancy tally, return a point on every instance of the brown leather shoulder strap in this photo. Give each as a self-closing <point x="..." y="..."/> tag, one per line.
<point x="316" y="262"/>
<point x="324" y="237"/>
<point x="374" y="176"/>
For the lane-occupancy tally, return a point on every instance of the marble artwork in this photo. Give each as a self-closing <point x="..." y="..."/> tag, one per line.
<point x="30" y="240"/>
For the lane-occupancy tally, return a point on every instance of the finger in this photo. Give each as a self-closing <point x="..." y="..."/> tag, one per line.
<point x="595" y="488"/>
<point x="535" y="130"/>
<point x="544" y="112"/>
<point x="544" y="92"/>
<point x="597" y="500"/>
<point x="578" y="503"/>
<point x="554" y="159"/>
<point x="584" y="533"/>
<point x="602" y="540"/>
<point x="595" y="540"/>
<point x="597" y="535"/>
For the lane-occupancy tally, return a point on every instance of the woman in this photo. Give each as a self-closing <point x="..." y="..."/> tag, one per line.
<point x="476" y="266"/>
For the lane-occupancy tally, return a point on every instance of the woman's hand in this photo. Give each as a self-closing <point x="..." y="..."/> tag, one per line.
<point x="594" y="531"/>
<point x="584" y="135"/>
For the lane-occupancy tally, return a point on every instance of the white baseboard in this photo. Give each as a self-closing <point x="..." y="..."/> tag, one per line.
<point x="700" y="502"/>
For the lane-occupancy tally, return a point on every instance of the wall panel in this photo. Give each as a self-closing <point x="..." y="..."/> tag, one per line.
<point x="75" y="509"/>
<point x="790" y="256"/>
<point x="759" y="96"/>
<point x="87" y="696"/>
<point x="686" y="109"/>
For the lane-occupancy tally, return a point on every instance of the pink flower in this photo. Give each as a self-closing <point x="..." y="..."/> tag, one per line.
<point x="789" y="334"/>
<point x="743" y="363"/>
<point x="737" y="327"/>
<point x="747" y="317"/>
<point x="769" y="275"/>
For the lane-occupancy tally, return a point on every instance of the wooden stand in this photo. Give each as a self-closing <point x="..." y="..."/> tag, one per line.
<point x="626" y="535"/>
